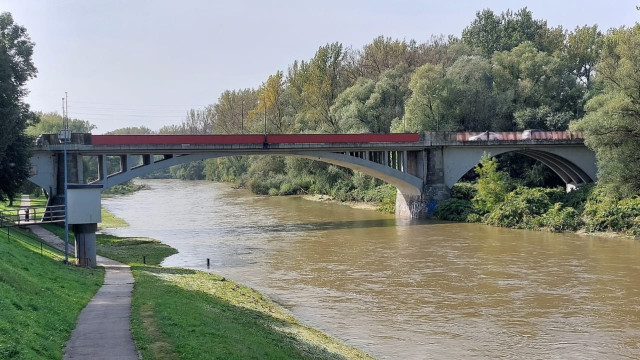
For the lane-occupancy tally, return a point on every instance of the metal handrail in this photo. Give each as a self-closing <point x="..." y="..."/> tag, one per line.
<point x="32" y="215"/>
<point x="56" y="252"/>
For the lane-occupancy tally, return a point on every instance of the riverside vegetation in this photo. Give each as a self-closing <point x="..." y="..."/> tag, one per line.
<point x="497" y="199"/>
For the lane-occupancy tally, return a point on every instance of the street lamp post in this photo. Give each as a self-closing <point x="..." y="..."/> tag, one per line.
<point x="64" y="136"/>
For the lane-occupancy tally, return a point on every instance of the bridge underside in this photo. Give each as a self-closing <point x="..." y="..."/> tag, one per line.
<point x="574" y="165"/>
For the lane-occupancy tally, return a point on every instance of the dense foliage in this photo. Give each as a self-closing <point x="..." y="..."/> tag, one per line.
<point x="489" y="200"/>
<point x="507" y="72"/>
<point x="612" y="122"/>
<point x="16" y="68"/>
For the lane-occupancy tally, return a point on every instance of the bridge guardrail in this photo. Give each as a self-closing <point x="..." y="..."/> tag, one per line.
<point x="518" y="135"/>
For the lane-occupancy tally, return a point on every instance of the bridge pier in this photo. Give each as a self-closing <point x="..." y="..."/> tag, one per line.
<point x="421" y="206"/>
<point x="428" y="164"/>
<point x="85" y="244"/>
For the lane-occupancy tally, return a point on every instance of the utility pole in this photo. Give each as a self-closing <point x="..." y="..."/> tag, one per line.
<point x="242" y="117"/>
<point x="265" y="115"/>
<point x="65" y="136"/>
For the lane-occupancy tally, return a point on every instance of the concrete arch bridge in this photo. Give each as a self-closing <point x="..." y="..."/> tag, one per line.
<point x="423" y="167"/>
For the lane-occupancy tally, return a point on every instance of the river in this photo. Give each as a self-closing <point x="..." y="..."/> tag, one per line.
<point x="401" y="289"/>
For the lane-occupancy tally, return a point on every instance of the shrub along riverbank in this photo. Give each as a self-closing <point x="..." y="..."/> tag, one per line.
<point x="498" y="200"/>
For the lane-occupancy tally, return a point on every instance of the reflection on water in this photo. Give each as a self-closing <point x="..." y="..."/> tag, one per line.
<point x="401" y="289"/>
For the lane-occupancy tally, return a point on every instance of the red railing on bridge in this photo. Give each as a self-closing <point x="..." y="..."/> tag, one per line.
<point x="250" y="139"/>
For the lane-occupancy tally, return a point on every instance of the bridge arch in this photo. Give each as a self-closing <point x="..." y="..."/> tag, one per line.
<point x="575" y="166"/>
<point x="406" y="183"/>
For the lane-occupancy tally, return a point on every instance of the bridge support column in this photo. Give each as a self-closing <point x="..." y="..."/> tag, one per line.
<point x="86" y="244"/>
<point x="424" y="205"/>
<point x="429" y="164"/>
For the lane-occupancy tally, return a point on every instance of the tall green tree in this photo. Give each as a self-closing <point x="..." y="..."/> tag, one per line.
<point x="231" y="112"/>
<point x="490" y="32"/>
<point x="471" y="94"/>
<point x="272" y="105"/>
<point x="318" y="84"/>
<point x="493" y="184"/>
<point x="612" y="123"/>
<point x="51" y="123"/>
<point x="427" y="108"/>
<point x="527" y="80"/>
<point x="16" y="68"/>
<point x="370" y="106"/>
<point x="584" y="46"/>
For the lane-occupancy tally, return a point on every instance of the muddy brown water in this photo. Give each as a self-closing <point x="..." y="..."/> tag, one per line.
<point x="402" y="289"/>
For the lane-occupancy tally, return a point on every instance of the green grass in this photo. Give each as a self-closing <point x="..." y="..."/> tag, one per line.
<point x="58" y="230"/>
<point x="180" y="313"/>
<point x="40" y="298"/>
<point x="39" y="201"/>
<point x="132" y="250"/>
<point x="111" y="221"/>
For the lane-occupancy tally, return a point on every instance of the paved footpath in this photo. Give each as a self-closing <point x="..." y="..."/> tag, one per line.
<point x="102" y="330"/>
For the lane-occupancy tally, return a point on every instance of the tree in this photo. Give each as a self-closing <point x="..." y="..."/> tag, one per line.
<point x="349" y="108"/>
<point x="584" y="46"/>
<point x="427" y="108"/>
<point x="612" y="123"/>
<point x="231" y="111"/>
<point x="317" y="84"/>
<point x="51" y="123"/>
<point x="490" y="33"/>
<point x="493" y="185"/>
<point x="16" y="68"/>
<point x="272" y="105"/>
<point x="471" y="93"/>
<point x="527" y="79"/>
<point x="370" y="106"/>
<point x="131" y="130"/>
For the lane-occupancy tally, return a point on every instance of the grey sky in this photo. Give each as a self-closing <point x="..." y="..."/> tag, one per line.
<point x="143" y="62"/>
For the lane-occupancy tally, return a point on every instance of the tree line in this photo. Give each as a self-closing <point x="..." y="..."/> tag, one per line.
<point x="506" y="72"/>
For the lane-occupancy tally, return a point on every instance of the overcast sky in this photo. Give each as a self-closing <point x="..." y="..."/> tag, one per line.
<point x="142" y="62"/>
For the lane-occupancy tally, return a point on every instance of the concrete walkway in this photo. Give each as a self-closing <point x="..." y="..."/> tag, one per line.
<point x="102" y="330"/>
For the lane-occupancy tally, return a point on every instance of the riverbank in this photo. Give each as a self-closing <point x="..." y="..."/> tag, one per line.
<point x="41" y="297"/>
<point x="353" y="204"/>
<point x="196" y="314"/>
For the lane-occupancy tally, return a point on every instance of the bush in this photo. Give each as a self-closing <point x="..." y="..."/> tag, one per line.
<point x="558" y="219"/>
<point x="606" y="212"/>
<point x="493" y="185"/>
<point x="464" y="191"/>
<point x="454" y="210"/>
<point x="578" y="197"/>
<point x="474" y="218"/>
<point x="127" y="187"/>
<point x="388" y="199"/>
<point x="520" y="208"/>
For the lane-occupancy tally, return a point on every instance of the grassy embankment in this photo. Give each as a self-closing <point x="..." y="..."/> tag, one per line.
<point x="40" y="297"/>
<point x="180" y="313"/>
